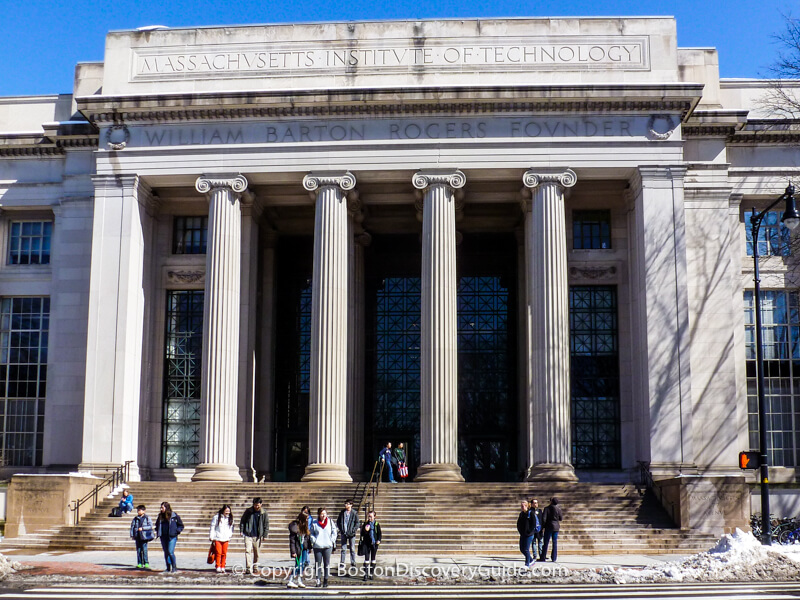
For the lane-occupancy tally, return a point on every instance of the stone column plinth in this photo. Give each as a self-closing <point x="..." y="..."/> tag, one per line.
<point x="548" y="308"/>
<point x="327" y="443"/>
<point x="439" y="334"/>
<point x="220" y="368"/>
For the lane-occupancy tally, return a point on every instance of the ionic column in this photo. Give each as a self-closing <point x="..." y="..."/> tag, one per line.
<point x="327" y="443"/>
<point x="548" y="307"/>
<point x="220" y="368"/>
<point x="439" y="334"/>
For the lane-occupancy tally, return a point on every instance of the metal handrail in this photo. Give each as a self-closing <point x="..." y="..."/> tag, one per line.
<point x="649" y="482"/>
<point x="370" y="489"/>
<point x="118" y="476"/>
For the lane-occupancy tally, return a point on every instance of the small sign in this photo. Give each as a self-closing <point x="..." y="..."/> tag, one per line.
<point x="749" y="460"/>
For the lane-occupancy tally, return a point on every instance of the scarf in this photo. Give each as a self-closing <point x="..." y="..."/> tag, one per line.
<point x="324" y="523"/>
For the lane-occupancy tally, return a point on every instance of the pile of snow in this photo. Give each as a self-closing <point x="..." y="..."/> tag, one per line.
<point x="736" y="557"/>
<point x="7" y="566"/>
<point x="118" y="490"/>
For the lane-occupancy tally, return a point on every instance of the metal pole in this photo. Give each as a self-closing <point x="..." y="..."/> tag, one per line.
<point x="766" y="533"/>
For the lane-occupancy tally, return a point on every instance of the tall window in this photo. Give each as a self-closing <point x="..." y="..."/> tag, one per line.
<point x="594" y="363"/>
<point x="24" y="325"/>
<point x="29" y="242"/>
<point x="591" y="229"/>
<point x="189" y="235"/>
<point x="182" y="354"/>
<point x="773" y="237"/>
<point x="780" y="319"/>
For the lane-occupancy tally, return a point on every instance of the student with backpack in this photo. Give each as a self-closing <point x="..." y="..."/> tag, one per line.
<point x="526" y="527"/>
<point x="142" y="531"/>
<point x="552" y="517"/>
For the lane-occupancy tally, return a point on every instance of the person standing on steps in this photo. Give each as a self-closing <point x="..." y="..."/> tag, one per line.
<point x="299" y="543"/>
<point x="385" y="456"/>
<point x="142" y="532"/>
<point x="347" y="523"/>
<point x="220" y="534"/>
<point x="254" y="527"/>
<point x="306" y="510"/>
<point x="526" y="530"/>
<point x="168" y="527"/>
<point x="552" y="517"/>
<point x="368" y="541"/>
<point x="539" y="535"/>
<point x="400" y="459"/>
<point x="323" y="541"/>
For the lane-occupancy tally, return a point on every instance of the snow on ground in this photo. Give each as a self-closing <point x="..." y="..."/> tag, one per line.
<point x="7" y="566"/>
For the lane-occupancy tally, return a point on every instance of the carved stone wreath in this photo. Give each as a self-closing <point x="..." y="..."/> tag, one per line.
<point x="651" y="123"/>
<point x="118" y="136"/>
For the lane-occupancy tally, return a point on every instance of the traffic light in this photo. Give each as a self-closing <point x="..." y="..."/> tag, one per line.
<point x="749" y="460"/>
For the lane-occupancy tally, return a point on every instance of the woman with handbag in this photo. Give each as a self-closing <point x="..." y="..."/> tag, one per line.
<point x="368" y="544"/>
<point x="299" y="545"/>
<point x="400" y="457"/>
<point x="323" y="541"/>
<point x="220" y="534"/>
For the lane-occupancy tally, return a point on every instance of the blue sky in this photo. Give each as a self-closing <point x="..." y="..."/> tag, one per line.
<point x="44" y="39"/>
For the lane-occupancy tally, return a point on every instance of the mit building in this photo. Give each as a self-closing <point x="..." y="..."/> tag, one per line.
<point x="519" y="246"/>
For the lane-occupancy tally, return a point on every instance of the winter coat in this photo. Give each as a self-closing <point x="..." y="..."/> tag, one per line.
<point x="385" y="454"/>
<point x="297" y="541"/>
<point x="525" y="524"/>
<point x="175" y="525"/>
<point x="539" y="534"/>
<point x="323" y="537"/>
<point x="400" y="455"/>
<point x="552" y="517"/>
<point x="146" y="524"/>
<point x="126" y="502"/>
<point x="352" y="525"/>
<point x="366" y="538"/>
<point x="221" y="529"/>
<point x="247" y="523"/>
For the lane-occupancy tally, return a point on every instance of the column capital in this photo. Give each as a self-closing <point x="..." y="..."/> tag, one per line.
<point x="533" y="178"/>
<point x="453" y="178"/>
<point x="236" y="182"/>
<point x="344" y="180"/>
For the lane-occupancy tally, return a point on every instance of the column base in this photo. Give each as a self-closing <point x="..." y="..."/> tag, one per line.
<point x="551" y="472"/>
<point x="216" y="472"/>
<point x="327" y="472"/>
<point x="439" y="472"/>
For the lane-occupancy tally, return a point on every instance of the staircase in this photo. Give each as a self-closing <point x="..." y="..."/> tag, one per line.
<point x="429" y="519"/>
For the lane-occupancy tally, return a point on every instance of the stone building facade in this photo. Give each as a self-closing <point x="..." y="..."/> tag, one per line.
<point x="518" y="246"/>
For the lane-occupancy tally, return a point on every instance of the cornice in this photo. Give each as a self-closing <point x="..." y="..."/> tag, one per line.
<point x="524" y="99"/>
<point x="56" y="139"/>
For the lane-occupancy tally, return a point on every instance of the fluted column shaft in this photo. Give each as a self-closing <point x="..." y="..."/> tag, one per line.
<point x="548" y="304"/>
<point x="328" y="403"/>
<point x="220" y="368"/>
<point x="439" y="332"/>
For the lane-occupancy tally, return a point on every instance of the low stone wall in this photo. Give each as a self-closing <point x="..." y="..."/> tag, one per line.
<point x="715" y="505"/>
<point x="37" y="502"/>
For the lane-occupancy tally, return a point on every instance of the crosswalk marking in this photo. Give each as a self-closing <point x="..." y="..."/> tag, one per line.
<point x="181" y="590"/>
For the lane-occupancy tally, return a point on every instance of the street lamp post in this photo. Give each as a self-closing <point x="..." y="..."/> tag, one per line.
<point x="790" y="219"/>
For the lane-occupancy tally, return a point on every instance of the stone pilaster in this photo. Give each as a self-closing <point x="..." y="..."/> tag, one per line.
<point x="327" y="441"/>
<point x="548" y="307"/>
<point x="439" y="333"/>
<point x="220" y="369"/>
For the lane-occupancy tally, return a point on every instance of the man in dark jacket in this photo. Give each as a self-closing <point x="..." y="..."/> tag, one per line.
<point x="254" y="527"/>
<point x="525" y="527"/>
<point x="348" y="523"/>
<point x="552" y="517"/>
<point x="539" y="535"/>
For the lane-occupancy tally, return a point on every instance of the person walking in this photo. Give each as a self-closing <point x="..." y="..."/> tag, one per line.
<point x="220" y="534"/>
<point x="552" y="517"/>
<point x="299" y="543"/>
<point x="168" y="527"/>
<point x="400" y="458"/>
<point x="369" y="541"/>
<point x="348" y="523"/>
<point x="385" y="456"/>
<point x="525" y="528"/>
<point x="323" y="542"/>
<point x="254" y="528"/>
<point x="142" y="532"/>
<point x="536" y="548"/>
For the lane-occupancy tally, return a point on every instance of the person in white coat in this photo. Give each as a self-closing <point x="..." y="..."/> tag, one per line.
<point x="220" y="534"/>
<point x="323" y="542"/>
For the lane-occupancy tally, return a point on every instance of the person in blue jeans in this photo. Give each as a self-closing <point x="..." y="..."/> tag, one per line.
<point x="126" y="502"/>
<point x="552" y="517"/>
<point x="142" y="532"/>
<point x="525" y="527"/>
<point x="168" y="527"/>
<point x="385" y="456"/>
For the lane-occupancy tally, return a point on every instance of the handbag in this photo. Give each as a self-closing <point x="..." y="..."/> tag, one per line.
<point x="212" y="554"/>
<point x="403" y="470"/>
<point x="360" y="551"/>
